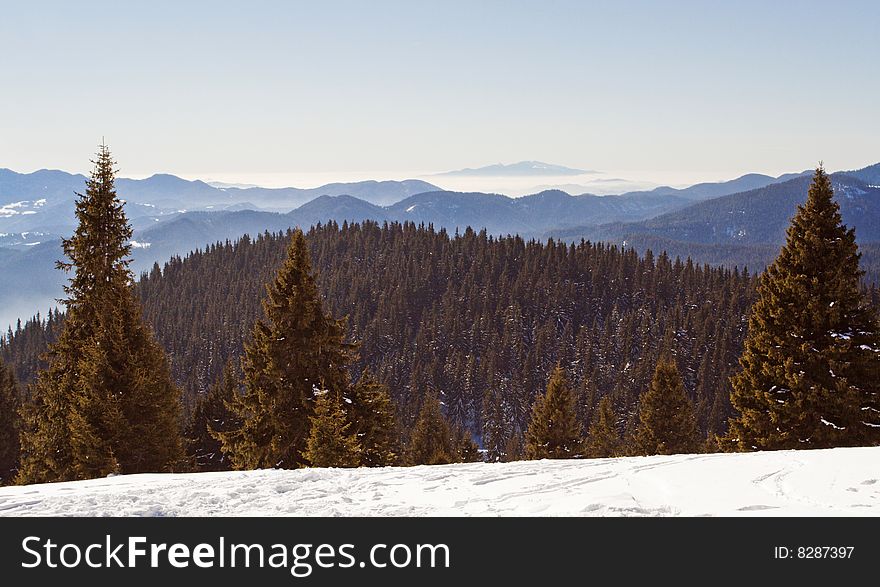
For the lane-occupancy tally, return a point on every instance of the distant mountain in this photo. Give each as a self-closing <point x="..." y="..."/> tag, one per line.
<point x="521" y="169"/>
<point x="869" y="175"/>
<point x="381" y="193"/>
<point x="745" y="228"/>
<point x="43" y="200"/>
<point x="47" y="184"/>
<point x="707" y="191"/>
<point x="758" y="216"/>
<point x="530" y="216"/>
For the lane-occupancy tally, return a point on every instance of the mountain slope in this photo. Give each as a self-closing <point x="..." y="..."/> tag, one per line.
<point x="707" y="191"/>
<point x="835" y="482"/>
<point x="758" y="216"/>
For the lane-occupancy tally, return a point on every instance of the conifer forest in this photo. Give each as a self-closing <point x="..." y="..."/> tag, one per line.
<point x="368" y="344"/>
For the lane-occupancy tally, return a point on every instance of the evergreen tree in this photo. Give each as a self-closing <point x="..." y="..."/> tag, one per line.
<point x="553" y="431"/>
<point x="514" y="450"/>
<point x="495" y="426"/>
<point x="811" y="364"/>
<point x="431" y="442"/>
<point x="603" y="438"/>
<point x="296" y="351"/>
<point x="211" y="418"/>
<point x="667" y="424"/>
<point x="371" y="414"/>
<point x="106" y="402"/>
<point x="331" y="443"/>
<point x="9" y="425"/>
<point x="467" y="451"/>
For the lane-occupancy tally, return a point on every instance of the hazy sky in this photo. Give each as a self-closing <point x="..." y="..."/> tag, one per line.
<point x="254" y="90"/>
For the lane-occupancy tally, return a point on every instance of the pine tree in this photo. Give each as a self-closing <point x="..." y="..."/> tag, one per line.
<point x="106" y="402"/>
<point x="331" y="442"/>
<point x="467" y="451"/>
<point x="211" y="418"/>
<point x="9" y="425"/>
<point x="553" y="431"/>
<point x="495" y="426"/>
<point x="431" y="441"/>
<point x="603" y="438"/>
<point x="514" y="450"/>
<point x="667" y="424"/>
<point x="296" y="351"/>
<point x="811" y="364"/>
<point x="371" y="414"/>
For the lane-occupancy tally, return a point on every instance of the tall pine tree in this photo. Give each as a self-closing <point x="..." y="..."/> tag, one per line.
<point x="811" y="363"/>
<point x="106" y="403"/>
<point x="295" y="352"/>
<point x="553" y="431"/>
<point x="667" y="424"/>
<point x="9" y="425"/>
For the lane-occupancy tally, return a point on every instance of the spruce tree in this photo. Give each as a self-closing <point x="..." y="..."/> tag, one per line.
<point x="9" y="425"/>
<point x="212" y="417"/>
<point x="603" y="438"/>
<point x="371" y="414"/>
<point x="294" y="352"/>
<point x="106" y="402"/>
<point x="667" y="424"/>
<point x="496" y="435"/>
<point x="553" y="431"/>
<point x="514" y="450"/>
<point x="331" y="441"/>
<point x="467" y="451"/>
<point x="431" y="442"/>
<point x="810" y="373"/>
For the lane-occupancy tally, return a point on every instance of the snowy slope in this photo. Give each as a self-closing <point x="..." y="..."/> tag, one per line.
<point x="788" y="483"/>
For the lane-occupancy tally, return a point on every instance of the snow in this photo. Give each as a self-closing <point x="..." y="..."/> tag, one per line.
<point x="832" y="424"/>
<point x="139" y="245"/>
<point x="837" y="482"/>
<point x="17" y="208"/>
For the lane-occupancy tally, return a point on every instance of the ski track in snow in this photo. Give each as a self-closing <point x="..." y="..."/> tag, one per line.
<point x="838" y="482"/>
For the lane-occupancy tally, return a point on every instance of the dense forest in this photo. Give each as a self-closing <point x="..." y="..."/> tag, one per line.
<point x="369" y="345"/>
<point x="475" y="320"/>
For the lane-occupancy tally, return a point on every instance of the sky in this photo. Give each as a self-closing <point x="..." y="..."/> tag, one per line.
<point x="295" y="93"/>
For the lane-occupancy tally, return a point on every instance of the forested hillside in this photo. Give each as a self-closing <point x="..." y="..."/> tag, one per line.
<point x="479" y="321"/>
<point x="748" y="228"/>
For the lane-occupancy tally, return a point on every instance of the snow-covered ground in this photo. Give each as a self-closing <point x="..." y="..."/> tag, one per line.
<point x="785" y="483"/>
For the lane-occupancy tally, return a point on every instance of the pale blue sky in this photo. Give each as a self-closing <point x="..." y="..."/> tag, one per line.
<point x="258" y="89"/>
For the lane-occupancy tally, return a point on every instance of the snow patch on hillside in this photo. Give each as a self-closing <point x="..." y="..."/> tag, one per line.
<point x="838" y="482"/>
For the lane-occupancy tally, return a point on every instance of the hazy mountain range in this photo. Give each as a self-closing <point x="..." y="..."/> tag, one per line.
<point x="521" y="169"/>
<point x="739" y="222"/>
<point x="747" y="228"/>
